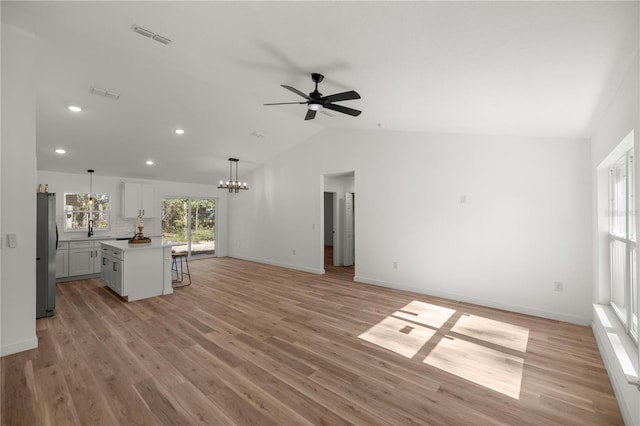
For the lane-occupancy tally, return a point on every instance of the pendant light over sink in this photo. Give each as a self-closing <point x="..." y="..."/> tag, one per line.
<point x="233" y="185"/>
<point x="90" y="171"/>
<point x="90" y="221"/>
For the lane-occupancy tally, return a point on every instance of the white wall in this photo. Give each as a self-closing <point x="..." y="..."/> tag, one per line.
<point x="18" y="292"/>
<point x="68" y="182"/>
<point x="524" y="226"/>
<point x="622" y="115"/>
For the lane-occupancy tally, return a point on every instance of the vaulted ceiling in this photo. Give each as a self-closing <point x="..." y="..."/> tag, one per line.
<point x="517" y="68"/>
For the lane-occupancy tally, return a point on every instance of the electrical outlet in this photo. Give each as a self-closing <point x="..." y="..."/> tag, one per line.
<point x="558" y="286"/>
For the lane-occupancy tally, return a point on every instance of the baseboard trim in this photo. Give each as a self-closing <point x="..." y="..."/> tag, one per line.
<point x="483" y="302"/>
<point x="283" y="265"/>
<point x="14" y="348"/>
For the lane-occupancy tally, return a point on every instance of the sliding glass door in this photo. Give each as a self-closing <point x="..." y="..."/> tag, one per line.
<point x="189" y="224"/>
<point x="202" y="226"/>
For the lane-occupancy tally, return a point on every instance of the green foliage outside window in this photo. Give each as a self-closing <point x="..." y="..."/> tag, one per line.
<point x="175" y="212"/>
<point x="78" y="212"/>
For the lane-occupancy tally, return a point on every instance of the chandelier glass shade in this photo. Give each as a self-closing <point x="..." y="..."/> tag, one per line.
<point x="233" y="185"/>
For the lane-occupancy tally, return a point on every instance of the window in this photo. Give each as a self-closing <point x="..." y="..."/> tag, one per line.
<point x="622" y="232"/>
<point x="78" y="212"/>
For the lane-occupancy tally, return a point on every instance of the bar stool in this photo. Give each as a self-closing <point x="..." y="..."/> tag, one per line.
<point x="179" y="272"/>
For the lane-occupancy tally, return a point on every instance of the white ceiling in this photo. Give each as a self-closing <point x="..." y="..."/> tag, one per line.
<point x="518" y="68"/>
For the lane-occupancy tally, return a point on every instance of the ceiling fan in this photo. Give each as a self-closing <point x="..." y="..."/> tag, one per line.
<point x="317" y="102"/>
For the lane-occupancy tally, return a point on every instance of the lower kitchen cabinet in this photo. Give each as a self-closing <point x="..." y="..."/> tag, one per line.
<point x="136" y="272"/>
<point x="84" y="258"/>
<point x="111" y="269"/>
<point x="62" y="260"/>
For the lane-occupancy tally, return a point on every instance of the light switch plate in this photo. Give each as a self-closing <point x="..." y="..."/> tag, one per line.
<point x="12" y="240"/>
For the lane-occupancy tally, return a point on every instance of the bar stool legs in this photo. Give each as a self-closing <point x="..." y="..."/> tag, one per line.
<point x="180" y="270"/>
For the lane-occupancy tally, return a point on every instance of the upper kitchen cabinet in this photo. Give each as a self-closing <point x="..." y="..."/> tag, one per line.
<point x="138" y="199"/>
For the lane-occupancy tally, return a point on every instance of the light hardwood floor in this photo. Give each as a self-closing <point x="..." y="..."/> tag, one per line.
<point x="253" y="344"/>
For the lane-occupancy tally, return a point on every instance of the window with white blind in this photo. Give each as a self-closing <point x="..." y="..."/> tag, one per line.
<point x="622" y="232"/>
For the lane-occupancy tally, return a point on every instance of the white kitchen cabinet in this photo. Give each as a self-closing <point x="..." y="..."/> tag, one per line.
<point x="84" y="258"/>
<point x="62" y="260"/>
<point x="136" y="271"/>
<point x="111" y="270"/>
<point x="138" y="199"/>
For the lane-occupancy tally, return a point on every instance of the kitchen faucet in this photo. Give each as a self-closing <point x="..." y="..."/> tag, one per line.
<point x="90" y="228"/>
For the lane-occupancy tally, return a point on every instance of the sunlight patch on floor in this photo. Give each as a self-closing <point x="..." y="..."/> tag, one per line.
<point x="402" y="333"/>
<point x="399" y="336"/>
<point x="486" y="367"/>
<point x="425" y="313"/>
<point x="492" y="331"/>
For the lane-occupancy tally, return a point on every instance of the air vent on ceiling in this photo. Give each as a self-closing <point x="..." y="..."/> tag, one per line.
<point x="150" y="34"/>
<point x="104" y="93"/>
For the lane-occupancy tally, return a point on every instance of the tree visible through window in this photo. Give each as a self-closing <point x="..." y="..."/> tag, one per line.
<point x="189" y="224"/>
<point x="78" y="212"/>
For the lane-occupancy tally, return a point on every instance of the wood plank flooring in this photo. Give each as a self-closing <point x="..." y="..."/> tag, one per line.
<point x="251" y="344"/>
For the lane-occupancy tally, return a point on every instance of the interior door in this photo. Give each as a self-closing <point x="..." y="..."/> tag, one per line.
<point x="348" y="229"/>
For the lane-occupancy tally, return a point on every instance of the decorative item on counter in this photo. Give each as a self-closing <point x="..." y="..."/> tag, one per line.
<point x="39" y="187"/>
<point x="46" y="188"/>
<point x="139" y="238"/>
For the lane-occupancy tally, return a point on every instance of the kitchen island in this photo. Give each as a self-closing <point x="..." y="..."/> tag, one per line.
<point x="136" y="271"/>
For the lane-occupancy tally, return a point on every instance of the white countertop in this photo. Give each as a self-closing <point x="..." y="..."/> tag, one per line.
<point x="156" y="243"/>
<point x="85" y="238"/>
<point x="98" y="238"/>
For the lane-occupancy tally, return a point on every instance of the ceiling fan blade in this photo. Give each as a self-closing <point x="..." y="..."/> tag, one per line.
<point x="311" y="114"/>
<point x="343" y="109"/>
<point x="296" y="91"/>
<point x="286" y="103"/>
<point x="344" y="96"/>
<point x="328" y="114"/>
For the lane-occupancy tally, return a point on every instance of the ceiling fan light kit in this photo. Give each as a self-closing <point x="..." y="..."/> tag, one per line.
<point x="316" y="102"/>
<point x="233" y="185"/>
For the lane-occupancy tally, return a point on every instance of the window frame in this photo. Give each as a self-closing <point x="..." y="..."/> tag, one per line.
<point x="622" y="230"/>
<point x="98" y="215"/>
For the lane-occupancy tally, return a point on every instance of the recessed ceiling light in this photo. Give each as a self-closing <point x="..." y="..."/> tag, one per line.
<point x="74" y="108"/>
<point x="61" y="151"/>
<point x="179" y="131"/>
<point x="149" y="162"/>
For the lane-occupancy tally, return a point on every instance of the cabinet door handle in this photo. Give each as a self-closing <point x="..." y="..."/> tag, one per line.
<point x="104" y="261"/>
<point x="115" y="267"/>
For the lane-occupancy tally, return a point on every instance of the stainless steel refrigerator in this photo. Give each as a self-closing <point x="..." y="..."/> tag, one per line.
<point x="46" y="245"/>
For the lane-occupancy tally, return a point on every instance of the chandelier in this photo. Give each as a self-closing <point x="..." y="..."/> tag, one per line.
<point x="233" y="185"/>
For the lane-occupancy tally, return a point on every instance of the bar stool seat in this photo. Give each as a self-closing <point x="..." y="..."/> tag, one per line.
<point x="181" y="258"/>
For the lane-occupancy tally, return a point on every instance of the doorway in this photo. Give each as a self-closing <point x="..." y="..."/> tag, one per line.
<point x="190" y="225"/>
<point x="338" y="216"/>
